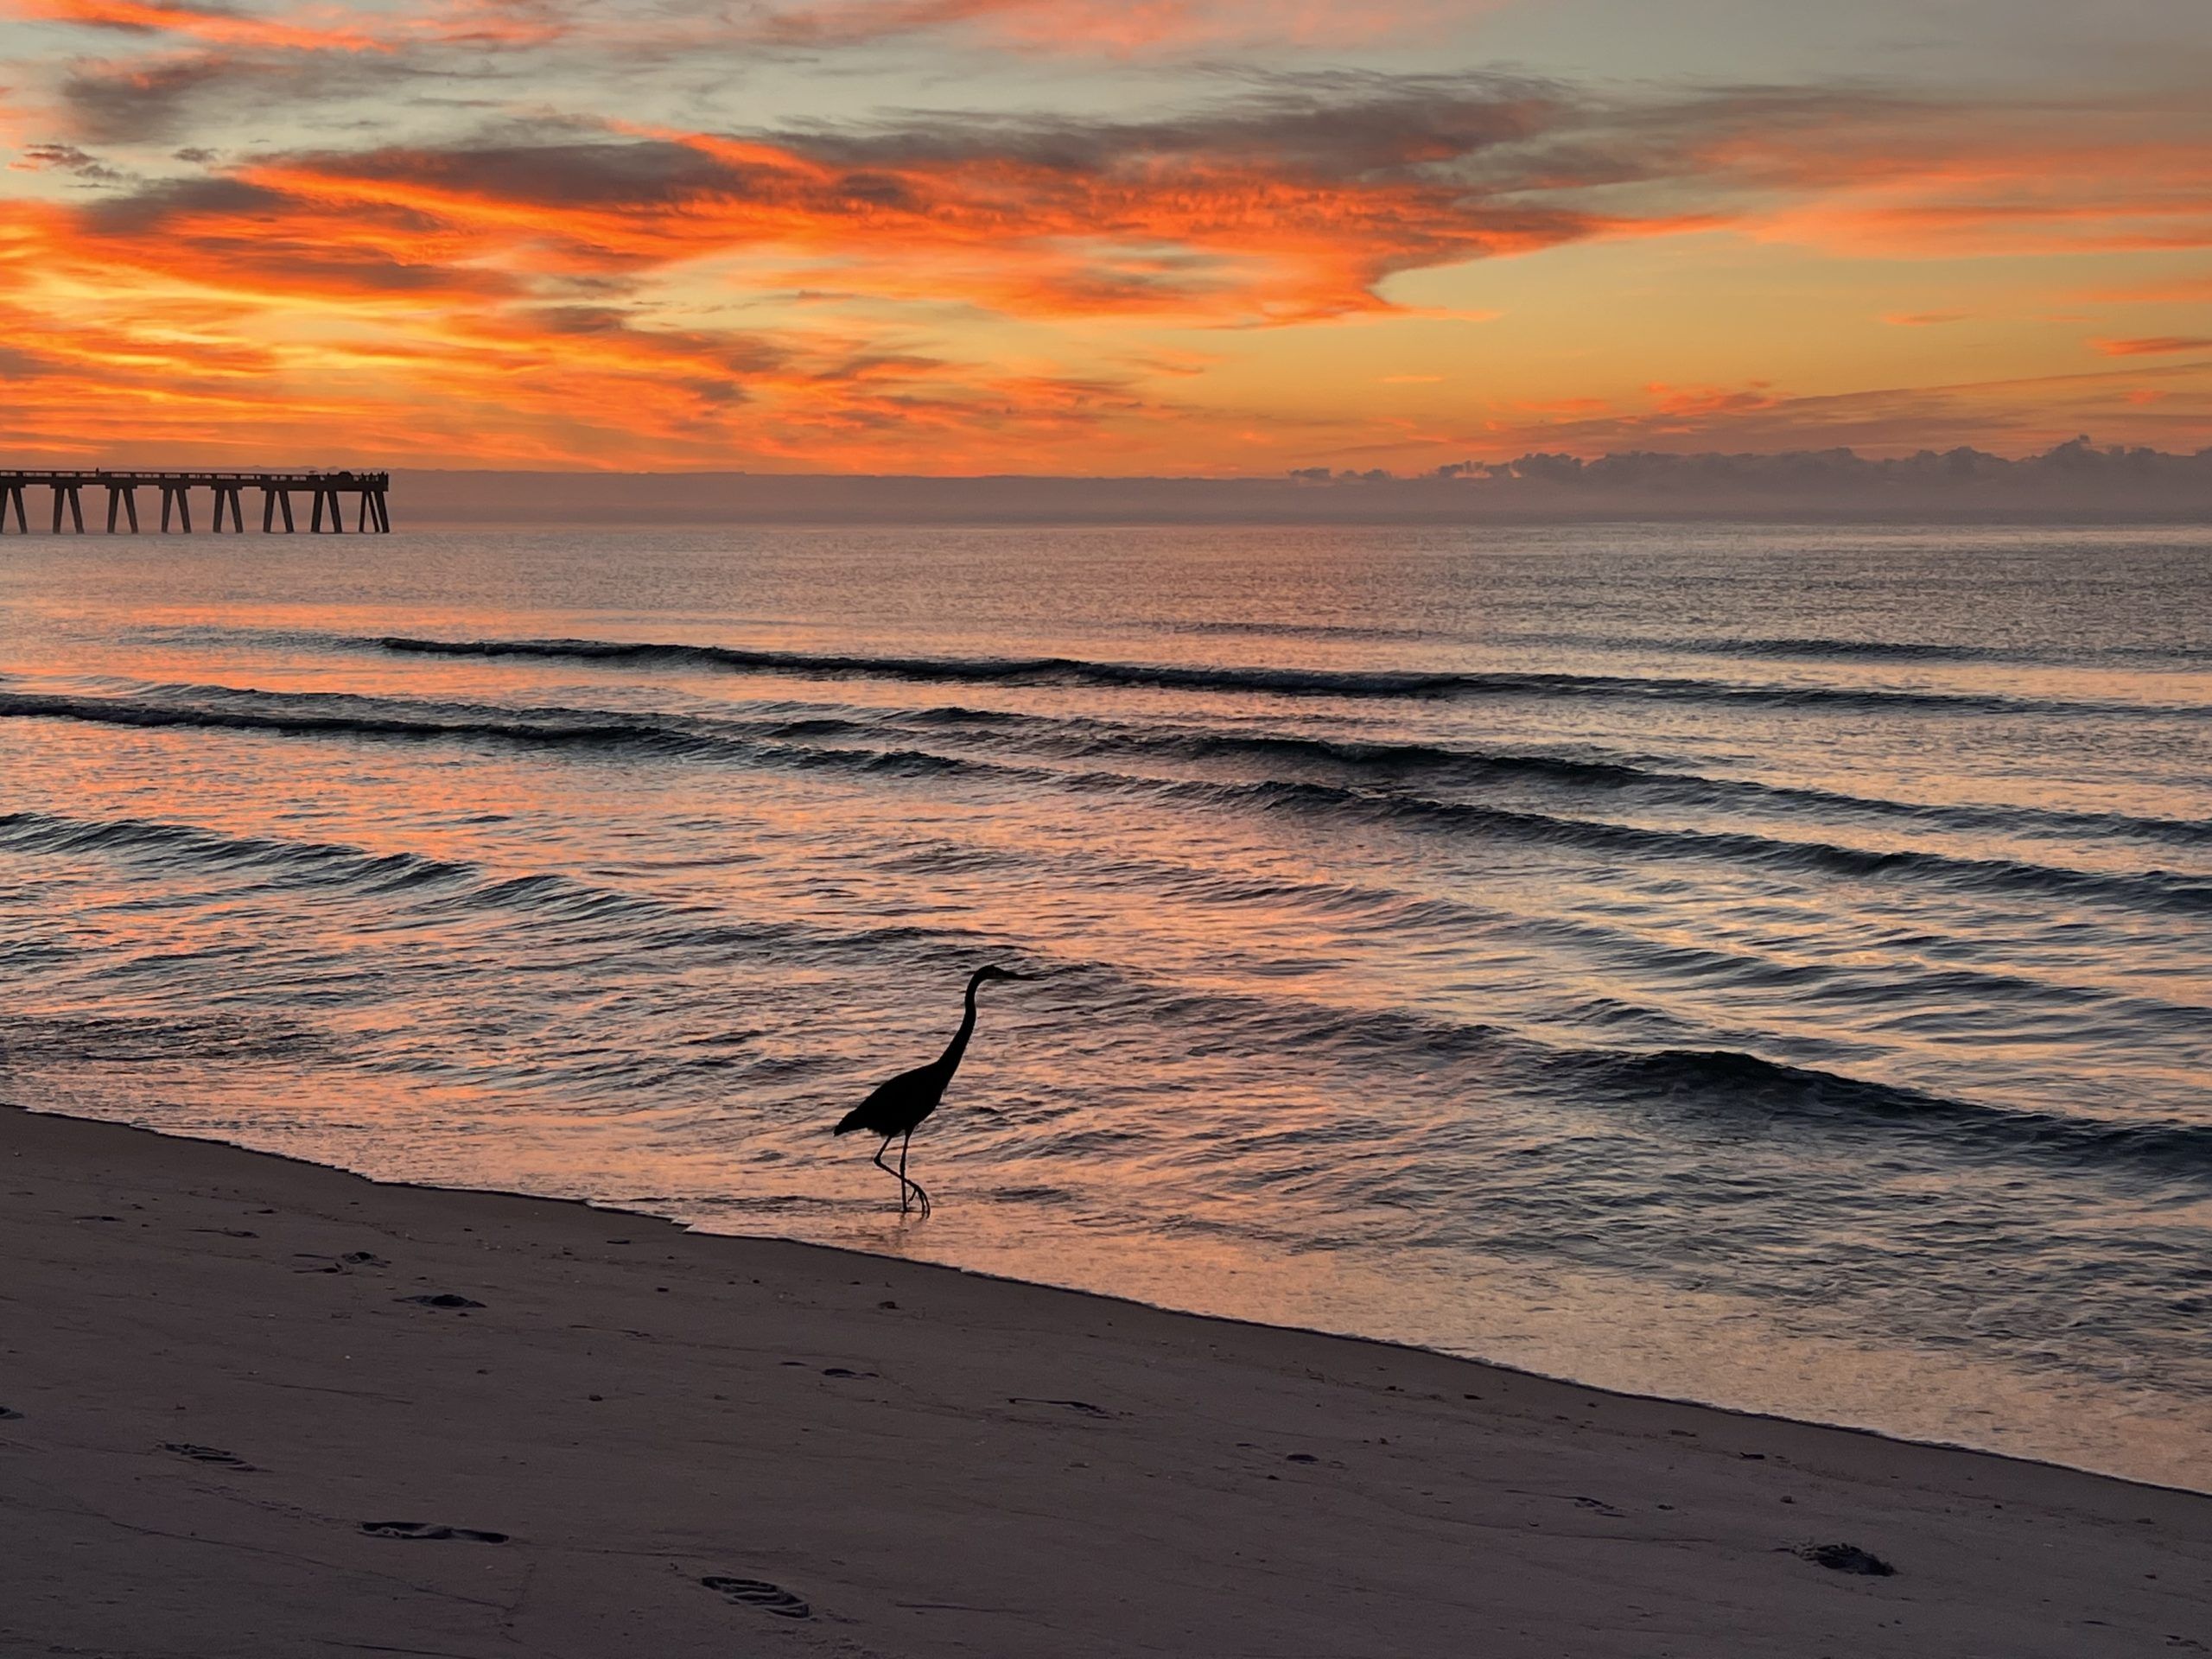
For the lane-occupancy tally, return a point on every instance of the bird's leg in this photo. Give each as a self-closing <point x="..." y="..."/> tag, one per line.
<point x="887" y="1170"/>
<point x="916" y="1186"/>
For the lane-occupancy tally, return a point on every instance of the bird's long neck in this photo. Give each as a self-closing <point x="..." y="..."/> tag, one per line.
<point x="950" y="1060"/>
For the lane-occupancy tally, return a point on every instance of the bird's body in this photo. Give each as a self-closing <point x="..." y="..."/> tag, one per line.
<point x="896" y="1108"/>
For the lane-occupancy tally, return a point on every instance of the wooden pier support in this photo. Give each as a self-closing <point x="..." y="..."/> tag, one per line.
<point x="327" y="489"/>
<point x="226" y="497"/>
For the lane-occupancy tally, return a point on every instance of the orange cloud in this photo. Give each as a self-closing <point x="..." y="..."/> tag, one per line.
<point x="1131" y="27"/>
<point x="1887" y="175"/>
<point x="1115" y="27"/>
<point x="1689" y="408"/>
<point x="1277" y="215"/>
<point x="334" y="332"/>
<point x="217" y="27"/>
<point x="2175" y="290"/>
<point x="2154" y="344"/>
<point x="2031" y="411"/>
<point x="965" y="290"/>
<point x="1112" y="28"/>
<point x="314" y="29"/>
<point x="542" y="297"/>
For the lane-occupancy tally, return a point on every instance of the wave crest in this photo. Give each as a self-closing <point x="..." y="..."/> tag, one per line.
<point x="1286" y="681"/>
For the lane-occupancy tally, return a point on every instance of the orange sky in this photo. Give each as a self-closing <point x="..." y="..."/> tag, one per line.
<point x="1064" y="236"/>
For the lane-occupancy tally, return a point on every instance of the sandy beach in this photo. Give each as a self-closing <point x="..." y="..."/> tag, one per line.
<point x="245" y="1414"/>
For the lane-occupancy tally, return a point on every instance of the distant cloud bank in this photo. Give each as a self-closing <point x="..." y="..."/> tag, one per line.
<point x="2074" y="479"/>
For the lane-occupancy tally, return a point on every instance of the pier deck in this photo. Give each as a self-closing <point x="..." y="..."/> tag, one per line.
<point x="327" y="490"/>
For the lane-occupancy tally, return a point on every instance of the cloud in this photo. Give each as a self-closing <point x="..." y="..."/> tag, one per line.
<point x="1295" y="204"/>
<point x="1982" y="177"/>
<point x="315" y="29"/>
<point x="2170" y="290"/>
<point x="217" y="317"/>
<point x="155" y="99"/>
<point x="548" y="385"/>
<point x="2154" y="344"/>
<point x="1114" y="27"/>
<point x="1111" y="29"/>
<point x="2027" y="410"/>
<point x="1922" y="319"/>
<point x="546" y="291"/>
<point x="968" y="281"/>
<point x="215" y="26"/>
<point x="2073" y="475"/>
<point x="66" y="158"/>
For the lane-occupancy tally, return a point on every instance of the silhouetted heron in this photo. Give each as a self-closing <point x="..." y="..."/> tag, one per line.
<point x="896" y="1109"/>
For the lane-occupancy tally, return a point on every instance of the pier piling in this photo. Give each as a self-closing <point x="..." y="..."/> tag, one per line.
<point x="329" y="489"/>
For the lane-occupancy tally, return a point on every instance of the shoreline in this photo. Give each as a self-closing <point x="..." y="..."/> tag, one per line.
<point x="869" y="1258"/>
<point x="1071" y="1472"/>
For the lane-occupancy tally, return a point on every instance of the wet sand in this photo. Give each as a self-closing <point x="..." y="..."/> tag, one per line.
<point x="233" y="1425"/>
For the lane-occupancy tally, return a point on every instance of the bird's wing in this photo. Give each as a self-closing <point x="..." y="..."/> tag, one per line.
<point x="892" y="1093"/>
<point x="903" y="1085"/>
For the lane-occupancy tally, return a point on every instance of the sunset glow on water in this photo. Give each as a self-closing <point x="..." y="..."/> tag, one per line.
<point x="1762" y="965"/>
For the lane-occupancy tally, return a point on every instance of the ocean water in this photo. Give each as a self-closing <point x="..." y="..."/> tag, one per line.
<point x="1765" y="965"/>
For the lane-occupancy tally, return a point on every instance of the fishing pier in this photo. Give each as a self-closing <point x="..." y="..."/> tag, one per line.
<point x="328" y="491"/>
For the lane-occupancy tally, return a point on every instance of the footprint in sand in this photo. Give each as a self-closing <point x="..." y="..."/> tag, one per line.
<point x="431" y="1531"/>
<point x="759" y="1592"/>
<point x="444" y="1299"/>
<point x="1846" y="1558"/>
<point x="1082" y="1406"/>
<point x="213" y="1454"/>
<point x="7" y="1416"/>
<point x="345" y="1264"/>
